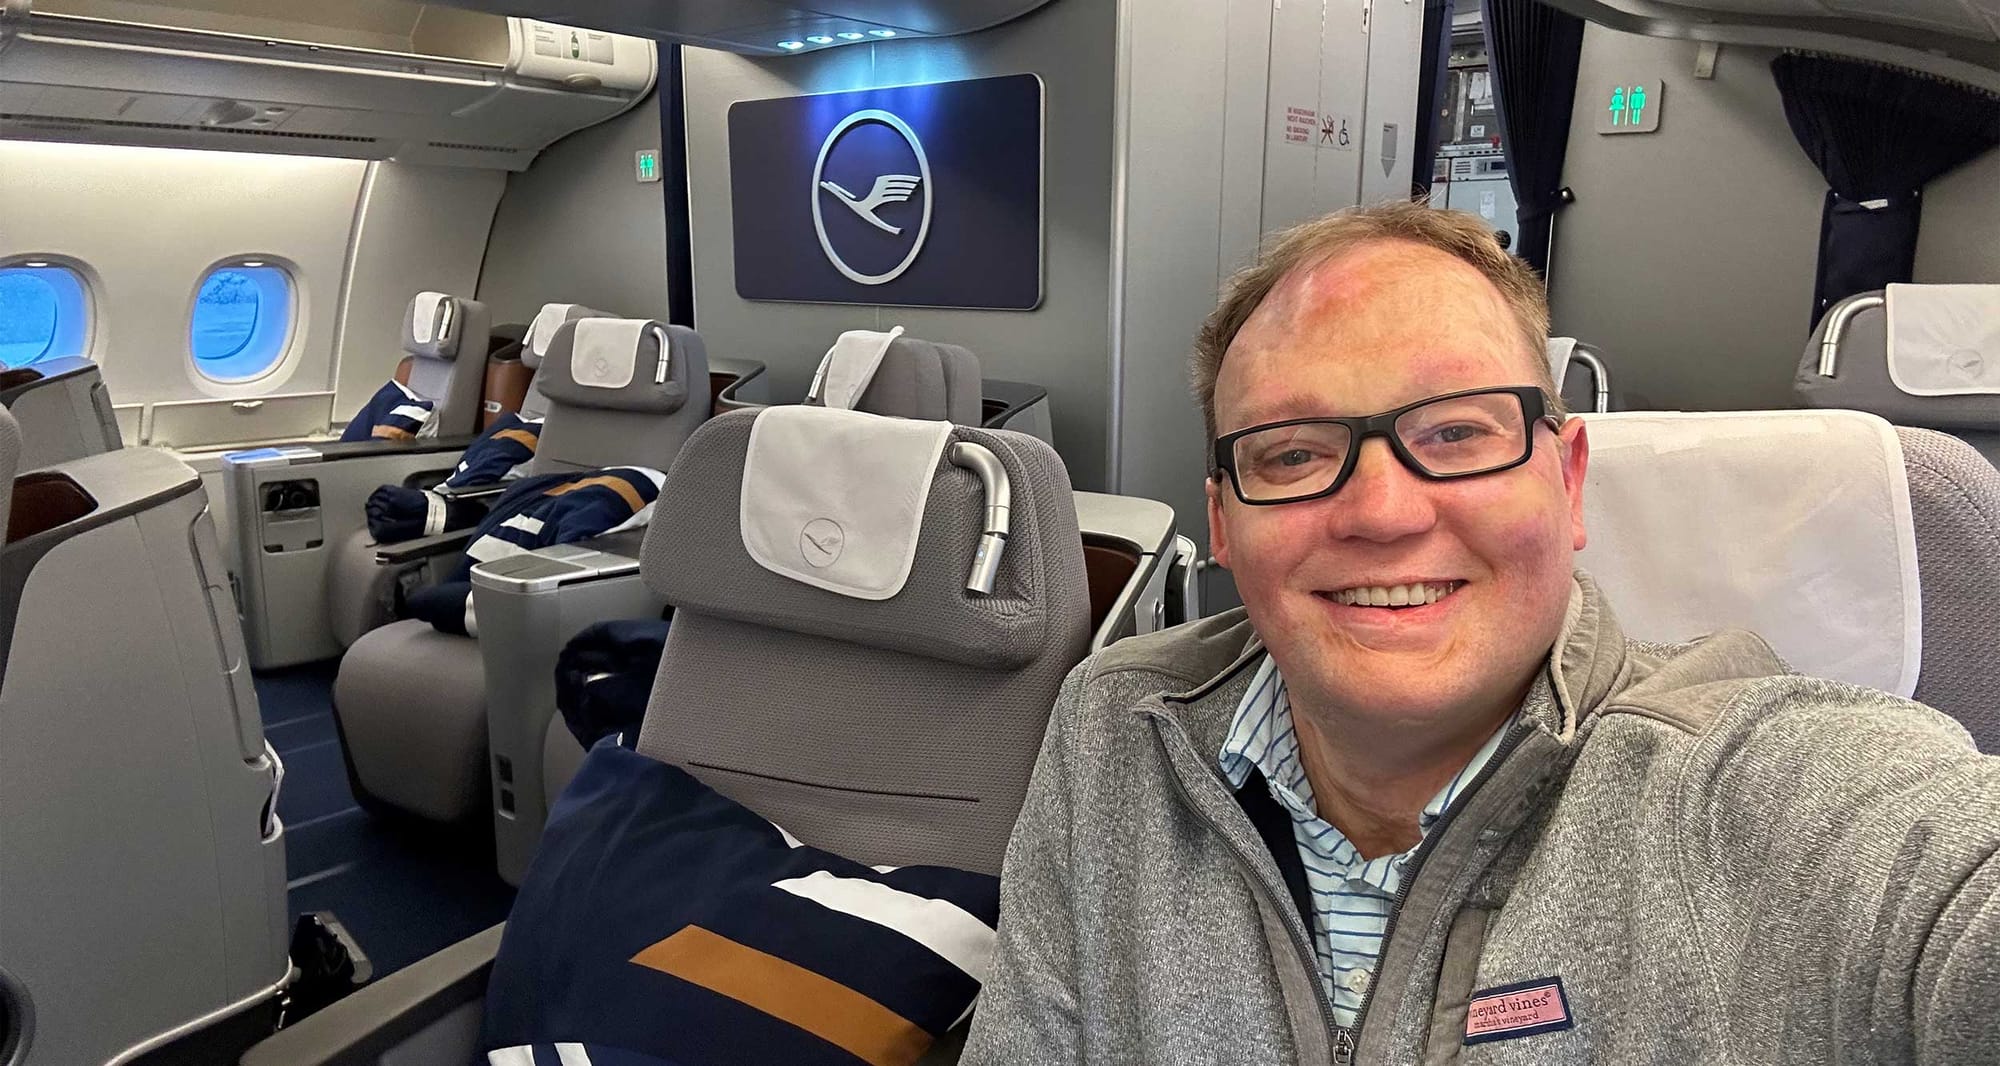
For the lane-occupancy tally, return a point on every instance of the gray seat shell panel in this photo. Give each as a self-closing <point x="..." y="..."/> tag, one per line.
<point x="1861" y="382"/>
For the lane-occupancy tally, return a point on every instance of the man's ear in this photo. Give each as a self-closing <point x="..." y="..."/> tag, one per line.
<point x="1575" y="462"/>
<point x="1218" y="537"/>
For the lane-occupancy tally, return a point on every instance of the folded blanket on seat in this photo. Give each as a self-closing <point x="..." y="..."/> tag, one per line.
<point x="396" y="513"/>
<point x="539" y="512"/>
<point x="393" y="413"/>
<point x="663" y="923"/>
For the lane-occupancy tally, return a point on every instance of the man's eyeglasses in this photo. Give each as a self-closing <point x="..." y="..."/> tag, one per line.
<point x="1461" y="434"/>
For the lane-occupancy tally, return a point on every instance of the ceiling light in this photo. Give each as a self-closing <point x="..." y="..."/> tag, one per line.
<point x="252" y="263"/>
<point x="851" y="35"/>
<point x="791" y="46"/>
<point x="36" y="263"/>
<point x="820" y="39"/>
<point x="883" y="33"/>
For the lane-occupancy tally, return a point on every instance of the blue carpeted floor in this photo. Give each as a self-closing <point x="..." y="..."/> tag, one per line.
<point x="404" y="890"/>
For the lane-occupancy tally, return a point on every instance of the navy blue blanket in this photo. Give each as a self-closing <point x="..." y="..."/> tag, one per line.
<point x="393" y="413"/>
<point x="662" y="924"/>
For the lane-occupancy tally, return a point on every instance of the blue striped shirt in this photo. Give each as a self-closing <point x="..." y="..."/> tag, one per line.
<point x="1351" y="896"/>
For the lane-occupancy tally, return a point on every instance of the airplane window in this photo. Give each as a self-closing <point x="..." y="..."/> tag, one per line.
<point x="242" y="321"/>
<point x="44" y="313"/>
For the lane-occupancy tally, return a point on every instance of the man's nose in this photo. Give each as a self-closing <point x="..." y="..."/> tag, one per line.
<point x="1383" y="500"/>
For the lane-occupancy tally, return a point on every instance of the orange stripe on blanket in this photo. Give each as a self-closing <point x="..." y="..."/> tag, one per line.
<point x="618" y="485"/>
<point x="790" y="993"/>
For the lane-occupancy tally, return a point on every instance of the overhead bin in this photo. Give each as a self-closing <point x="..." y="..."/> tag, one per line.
<point x="411" y="83"/>
<point x="774" y="27"/>
<point x="1943" y="37"/>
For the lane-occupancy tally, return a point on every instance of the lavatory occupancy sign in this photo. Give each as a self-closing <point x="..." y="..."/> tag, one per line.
<point x="918" y="195"/>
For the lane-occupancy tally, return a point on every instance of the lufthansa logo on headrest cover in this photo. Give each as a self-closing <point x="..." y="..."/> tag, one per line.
<point x="1967" y="364"/>
<point x="887" y="190"/>
<point x="820" y="542"/>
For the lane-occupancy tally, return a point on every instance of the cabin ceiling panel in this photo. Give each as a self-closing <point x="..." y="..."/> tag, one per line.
<point x="755" y="27"/>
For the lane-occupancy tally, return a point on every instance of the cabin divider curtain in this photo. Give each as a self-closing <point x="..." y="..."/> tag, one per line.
<point x="1878" y="134"/>
<point x="1533" y="51"/>
<point x="1430" y="94"/>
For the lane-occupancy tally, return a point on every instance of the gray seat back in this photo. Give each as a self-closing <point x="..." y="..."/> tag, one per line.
<point x="11" y="449"/>
<point x="1955" y="501"/>
<point x="893" y="731"/>
<point x="446" y="337"/>
<point x="926" y="380"/>
<point x="644" y="421"/>
<point x="1846" y="364"/>
<point x="535" y="348"/>
<point x="66" y="412"/>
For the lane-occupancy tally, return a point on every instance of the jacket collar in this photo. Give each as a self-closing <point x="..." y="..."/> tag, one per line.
<point x="1218" y="656"/>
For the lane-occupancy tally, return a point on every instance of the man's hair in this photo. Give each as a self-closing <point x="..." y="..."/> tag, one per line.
<point x="1460" y="235"/>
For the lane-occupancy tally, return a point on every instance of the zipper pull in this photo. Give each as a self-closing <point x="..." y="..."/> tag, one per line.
<point x="1343" y="1046"/>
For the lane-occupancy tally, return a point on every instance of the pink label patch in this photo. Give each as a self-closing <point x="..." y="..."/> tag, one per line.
<point x="1521" y="1009"/>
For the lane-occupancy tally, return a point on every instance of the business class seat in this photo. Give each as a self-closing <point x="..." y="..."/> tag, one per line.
<point x="142" y="863"/>
<point x="529" y="607"/>
<point x="410" y="700"/>
<point x="1918" y="355"/>
<point x="840" y="718"/>
<point x="1128" y="544"/>
<point x="294" y="507"/>
<point x="1861" y="551"/>
<point x="63" y="410"/>
<point x="360" y="589"/>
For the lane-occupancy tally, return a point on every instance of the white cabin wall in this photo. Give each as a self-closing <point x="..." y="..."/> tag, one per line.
<point x="1689" y="254"/>
<point x="148" y="223"/>
<point x="579" y="227"/>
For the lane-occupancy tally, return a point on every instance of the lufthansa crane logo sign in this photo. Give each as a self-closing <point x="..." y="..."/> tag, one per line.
<point x="875" y="150"/>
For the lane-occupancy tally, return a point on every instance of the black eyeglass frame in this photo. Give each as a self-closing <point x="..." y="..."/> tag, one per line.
<point x="1534" y="409"/>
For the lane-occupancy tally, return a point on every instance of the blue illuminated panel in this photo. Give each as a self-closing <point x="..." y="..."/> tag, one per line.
<point x="921" y="195"/>
<point x="44" y="314"/>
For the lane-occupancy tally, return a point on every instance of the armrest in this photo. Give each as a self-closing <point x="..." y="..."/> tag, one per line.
<point x="334" y="451"/>
<point x="450" y="542"/>
<point x="358" y="1030"/>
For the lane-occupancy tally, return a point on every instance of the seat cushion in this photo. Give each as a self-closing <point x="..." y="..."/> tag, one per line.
<point x="412" y="709"/>
<point x="660" y="919"/>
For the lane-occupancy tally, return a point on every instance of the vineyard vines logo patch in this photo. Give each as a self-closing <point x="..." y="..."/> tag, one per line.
<point x="1525" y="1008"/>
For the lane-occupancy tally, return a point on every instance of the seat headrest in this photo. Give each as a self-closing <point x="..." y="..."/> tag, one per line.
<point x="1944" y="340"/>
<point x="617" y="364"/>
<point x="542" y="331"/>
<point x="696" y="556"/>
<point x="433" y="325"/>
<point x="893" y="374"/>
<point x="1795" y="525"/>
<point x="1918" y="355"/>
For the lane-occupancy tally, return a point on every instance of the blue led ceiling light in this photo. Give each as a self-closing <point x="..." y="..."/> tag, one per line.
<point x="882" y="33"/>
<point x="791" y="46"/>
<point x="851" y="35"/>
<point x="820" y="39"/>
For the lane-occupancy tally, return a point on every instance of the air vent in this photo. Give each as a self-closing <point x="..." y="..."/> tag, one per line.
<point x="59" y="122"/>
<point x="472" y="147"/>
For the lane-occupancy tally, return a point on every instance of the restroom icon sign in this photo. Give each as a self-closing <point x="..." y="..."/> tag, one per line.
<point x="1630" y="107"/>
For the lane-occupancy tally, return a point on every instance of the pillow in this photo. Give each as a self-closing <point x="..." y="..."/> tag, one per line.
<point x="662" y="923"/>
<point x="393" y="413"/>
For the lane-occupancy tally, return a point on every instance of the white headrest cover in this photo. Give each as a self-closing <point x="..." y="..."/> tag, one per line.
<point x="1792" y="524"/>
<point x="848" y="366"/>
<point x="835" y="499"/>
<point x="1944" y="340"/>
<point x="1560" y="350"/>
<point x="606" y="351"/>
<point x="543" y="329"/>
<point x="424" y="316"/>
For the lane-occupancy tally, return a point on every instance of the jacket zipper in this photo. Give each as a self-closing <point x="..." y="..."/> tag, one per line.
<point x="1301" y="946"/>
<point x="1346" y="1050"/>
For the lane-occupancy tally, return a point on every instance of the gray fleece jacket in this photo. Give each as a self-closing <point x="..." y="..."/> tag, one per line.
<point x="1721" y="862"/>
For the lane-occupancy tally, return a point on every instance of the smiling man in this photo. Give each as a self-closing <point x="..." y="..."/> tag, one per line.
<point x="1421" y="801"/>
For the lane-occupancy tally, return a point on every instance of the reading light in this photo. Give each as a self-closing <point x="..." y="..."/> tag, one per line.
<point x="791" y="46"/>
<point x="820" y="39"/>
<point x="883" y="33"/>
